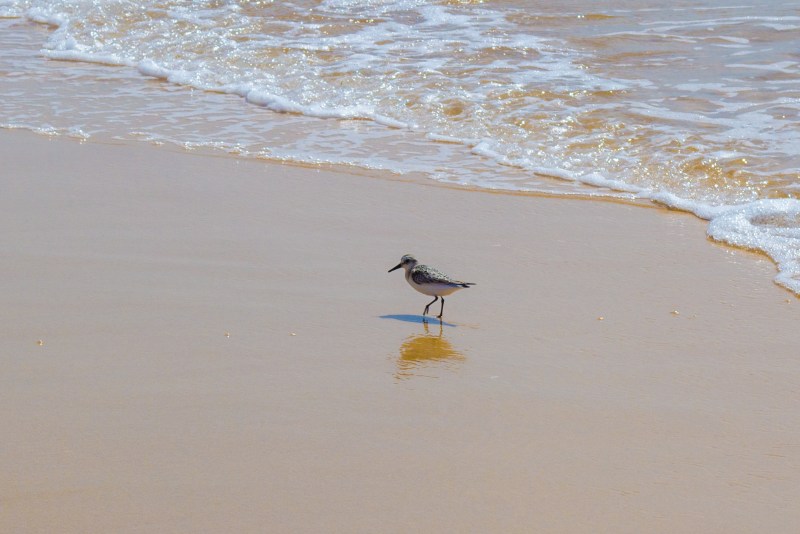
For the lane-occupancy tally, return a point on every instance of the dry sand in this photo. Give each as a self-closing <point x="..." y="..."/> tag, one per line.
<point x="196" y="344"/>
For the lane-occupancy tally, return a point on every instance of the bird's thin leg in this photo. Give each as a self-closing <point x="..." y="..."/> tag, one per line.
<point x="429" y="305"/>
<point x="441" y="311"/>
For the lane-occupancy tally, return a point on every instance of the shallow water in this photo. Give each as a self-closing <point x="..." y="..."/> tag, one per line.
<point x="696" y="105"/>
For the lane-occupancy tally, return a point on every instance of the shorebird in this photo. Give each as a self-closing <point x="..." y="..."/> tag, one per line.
<point x="429" y="281"/>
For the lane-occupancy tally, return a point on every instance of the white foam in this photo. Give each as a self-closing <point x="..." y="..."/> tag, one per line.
<point x="148" y="67"/>
<point x="452" y="139"/>
<point x="45" y="17"/>
<point x="49" y="131"/>
<point x="781" y="27"/>
<point x="78" y="55"/>
<point x="282" y="104"/>
<point x="771" y="226"/>
<point x="784" y="67"/>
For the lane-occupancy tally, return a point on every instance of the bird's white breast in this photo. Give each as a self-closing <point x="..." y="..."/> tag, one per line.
<point x="433" y="289"/>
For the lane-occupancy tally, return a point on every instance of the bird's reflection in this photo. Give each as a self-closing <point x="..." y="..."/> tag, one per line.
<point x="421" y="353"/>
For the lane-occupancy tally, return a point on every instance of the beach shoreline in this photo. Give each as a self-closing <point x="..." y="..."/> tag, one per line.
<point x="204" y="343"/>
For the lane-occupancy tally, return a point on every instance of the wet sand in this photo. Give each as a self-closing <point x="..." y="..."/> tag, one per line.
<point x="199" y="344"/>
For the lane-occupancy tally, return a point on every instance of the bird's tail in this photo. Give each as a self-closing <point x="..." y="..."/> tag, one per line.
<point x="467" y="284"/>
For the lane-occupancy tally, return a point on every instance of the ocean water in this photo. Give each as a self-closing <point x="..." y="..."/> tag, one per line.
<point x="695" y="106"/>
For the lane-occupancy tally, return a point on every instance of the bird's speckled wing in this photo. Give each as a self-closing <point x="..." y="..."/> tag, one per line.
<point x="422" y="274"/>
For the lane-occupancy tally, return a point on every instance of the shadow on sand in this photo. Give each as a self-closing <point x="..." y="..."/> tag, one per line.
<point x="419" y="319"/>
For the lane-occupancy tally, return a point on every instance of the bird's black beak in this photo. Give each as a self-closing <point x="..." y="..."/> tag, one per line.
<point x="395" y="267"/>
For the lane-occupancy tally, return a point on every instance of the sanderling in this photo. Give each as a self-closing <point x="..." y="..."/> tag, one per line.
<point x="429" y="281"/>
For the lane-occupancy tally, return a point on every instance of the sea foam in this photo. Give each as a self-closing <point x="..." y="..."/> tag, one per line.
<point x="771" y="226"/>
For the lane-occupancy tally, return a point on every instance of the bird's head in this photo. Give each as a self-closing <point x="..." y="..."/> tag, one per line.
<point x="406" y="262"/>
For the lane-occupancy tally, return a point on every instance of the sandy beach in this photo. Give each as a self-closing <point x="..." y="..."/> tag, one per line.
<point x="195" y="343"/>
